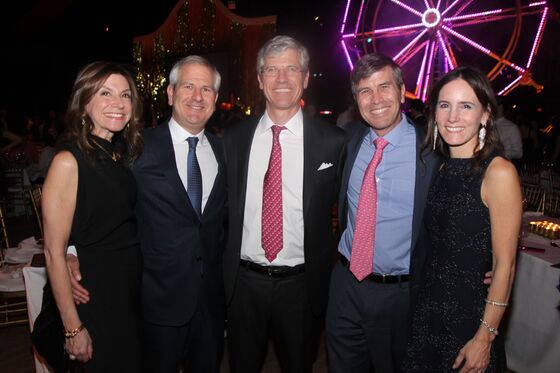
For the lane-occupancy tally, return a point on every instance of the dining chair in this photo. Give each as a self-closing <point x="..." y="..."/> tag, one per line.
<point x="5" y="242"/>
<point x="530" y="173"/>
<point x="16" y="201"/>
<point x="534" y="196"/>
<point x="35" y="193"/>
<point x="13" y="303"/>
<point x="13" y="308"/>
<point x="551" y="203"/>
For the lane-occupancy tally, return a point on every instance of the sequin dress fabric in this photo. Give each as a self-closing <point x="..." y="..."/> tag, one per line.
<point x="451" y="299"/>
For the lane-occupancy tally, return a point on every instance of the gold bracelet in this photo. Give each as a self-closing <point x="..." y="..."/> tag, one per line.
<point x="491" y="329"/>
<point x="497" y="304"/>
<point x="74" y="332"/>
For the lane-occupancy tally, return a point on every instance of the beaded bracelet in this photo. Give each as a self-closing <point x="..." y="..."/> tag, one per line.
<point x="494" y="303"/>
<point x="491" y="329"/>
<point x="74" y="332"/>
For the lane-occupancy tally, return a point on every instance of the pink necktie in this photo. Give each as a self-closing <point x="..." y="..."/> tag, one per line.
<point x="361" y="262"/>
<point x="272" y="240"/>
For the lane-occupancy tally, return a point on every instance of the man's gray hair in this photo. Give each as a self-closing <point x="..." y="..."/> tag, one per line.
<point x="199" y="60"/>
<point x="278" y="45"/>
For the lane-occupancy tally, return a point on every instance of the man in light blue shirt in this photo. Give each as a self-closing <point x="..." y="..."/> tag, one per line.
<point x="368" y="320"/>
<point x="395" y="198"/>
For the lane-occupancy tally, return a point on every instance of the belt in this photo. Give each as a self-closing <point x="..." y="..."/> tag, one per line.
<point x="375" y="277"/>
<point x="272" y="271"/>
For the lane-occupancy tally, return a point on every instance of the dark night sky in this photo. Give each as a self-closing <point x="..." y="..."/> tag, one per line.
<point x="44" y="42"/>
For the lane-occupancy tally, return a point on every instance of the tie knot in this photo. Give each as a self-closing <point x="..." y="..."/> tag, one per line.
<point x="380" y="143"/>
<point x="192" y="142"/>
<point x="276" y="130"/>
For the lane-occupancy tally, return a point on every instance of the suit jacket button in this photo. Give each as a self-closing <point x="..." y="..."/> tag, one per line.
<point x="198" y="258"/>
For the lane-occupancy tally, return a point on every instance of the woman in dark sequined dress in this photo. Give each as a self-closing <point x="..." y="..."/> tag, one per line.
<point x="472" y="218"/>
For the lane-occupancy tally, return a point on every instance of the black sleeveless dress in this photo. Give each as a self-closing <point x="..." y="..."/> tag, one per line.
<point x="104" y="233"/>
<point x="451" y="299"/>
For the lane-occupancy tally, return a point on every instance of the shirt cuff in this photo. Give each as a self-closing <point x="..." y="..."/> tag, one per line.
<point x="72" y="250"/>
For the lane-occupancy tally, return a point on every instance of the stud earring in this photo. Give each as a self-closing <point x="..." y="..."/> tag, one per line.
<point x="481" y="136"/>
<point x="83" y="121"/>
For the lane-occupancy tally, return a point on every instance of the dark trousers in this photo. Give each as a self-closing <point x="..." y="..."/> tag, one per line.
<point x="264" y="307"/>
<point x="367" y="324"/>
<point x="196" y="347"/>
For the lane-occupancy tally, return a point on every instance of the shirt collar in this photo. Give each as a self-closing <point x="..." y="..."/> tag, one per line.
<point x="294" y="125"/>
<point x="396" y="135"/>
<point x="179" y="134"/>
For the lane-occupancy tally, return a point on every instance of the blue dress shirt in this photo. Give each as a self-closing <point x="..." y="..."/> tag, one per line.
<point x="395" y="177"/>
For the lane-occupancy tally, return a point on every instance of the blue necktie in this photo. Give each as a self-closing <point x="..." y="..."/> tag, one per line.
<point x="194" y="177"/>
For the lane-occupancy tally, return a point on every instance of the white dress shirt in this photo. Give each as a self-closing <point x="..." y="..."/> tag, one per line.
<point x="291" y="141"/>
<point x="206" y="158"/>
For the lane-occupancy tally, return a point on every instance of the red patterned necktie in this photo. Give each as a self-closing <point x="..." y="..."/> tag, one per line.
<point x="361" y="262"/>
<point x="271" y="238"/>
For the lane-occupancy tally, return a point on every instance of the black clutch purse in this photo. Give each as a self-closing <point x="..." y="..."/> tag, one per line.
<point x="48" y="333"/>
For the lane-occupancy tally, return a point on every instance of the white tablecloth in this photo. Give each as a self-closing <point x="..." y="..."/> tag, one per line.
<point x="533" y="331"/>
<point x="11" y="277"/>
<point x="19" y="276"/>
<point x="35" y="280"/>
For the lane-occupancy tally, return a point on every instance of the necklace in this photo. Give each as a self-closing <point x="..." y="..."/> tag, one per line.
<point x="112" y="156"/>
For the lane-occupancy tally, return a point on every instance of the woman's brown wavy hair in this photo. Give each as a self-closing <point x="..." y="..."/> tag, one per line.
<point x="90" y="79"/>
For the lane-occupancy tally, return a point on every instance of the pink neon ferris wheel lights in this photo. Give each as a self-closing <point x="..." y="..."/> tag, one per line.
<point x="407" y="7"/>
<point x="445" y="32"/>
<point x="473" y="15"/>
<point x="345" y="17"/>
<point x="445" y="51"/>
<point x="431" y="18"/>
<point x="537" y="38"/>
<point x="409" y="45"/>
<point x="449" y="7"/>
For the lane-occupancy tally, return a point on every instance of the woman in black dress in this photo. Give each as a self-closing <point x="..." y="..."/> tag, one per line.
<point x="88" y="201"/>
<point x="472" y="219"/>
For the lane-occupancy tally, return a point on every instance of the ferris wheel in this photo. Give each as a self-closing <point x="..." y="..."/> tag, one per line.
<point x="427" y="38"/>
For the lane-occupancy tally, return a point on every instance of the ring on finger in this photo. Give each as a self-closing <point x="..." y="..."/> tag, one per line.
<point x="72" y="357"/>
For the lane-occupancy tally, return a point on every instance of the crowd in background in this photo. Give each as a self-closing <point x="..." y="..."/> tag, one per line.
<point x="26" y="135"/>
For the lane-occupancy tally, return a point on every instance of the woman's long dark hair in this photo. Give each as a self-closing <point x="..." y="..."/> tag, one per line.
<point x="485" y="94"/>
<point x="89" y="81"/>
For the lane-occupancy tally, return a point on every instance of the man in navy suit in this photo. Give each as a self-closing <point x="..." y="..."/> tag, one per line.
<point x="283" y="295"/>
<point x="368" y="318"/>
<point x="182" y="234"/>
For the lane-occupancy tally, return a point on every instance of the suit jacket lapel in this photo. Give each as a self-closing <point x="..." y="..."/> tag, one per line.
<point x="312" y="140"/>
<point x="426" y="165"/>
<point x="244" y="141"/>
<point x="352" y="148"/>
<point x="218" y="153"/>
<point x="165" y="156"/>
